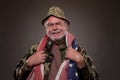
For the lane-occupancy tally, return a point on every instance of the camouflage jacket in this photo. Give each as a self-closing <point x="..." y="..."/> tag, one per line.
<point x="86" y="73"/>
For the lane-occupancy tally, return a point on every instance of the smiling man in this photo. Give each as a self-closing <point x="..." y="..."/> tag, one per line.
<point x="56" y="28"/>
<point x="57" y="56"/>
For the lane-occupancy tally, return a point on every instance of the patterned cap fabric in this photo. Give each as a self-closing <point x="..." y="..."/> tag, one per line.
<point x="56" y="12"/>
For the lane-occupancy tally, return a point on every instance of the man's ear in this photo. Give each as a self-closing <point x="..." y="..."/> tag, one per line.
<point x="66" y="24"/>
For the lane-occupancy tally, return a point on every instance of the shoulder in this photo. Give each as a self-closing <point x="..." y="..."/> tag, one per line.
<point x="31" y="51"/>
<point x="33" y="48"/>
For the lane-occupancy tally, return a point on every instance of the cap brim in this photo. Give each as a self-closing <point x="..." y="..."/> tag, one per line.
<point x="43" y="21"/>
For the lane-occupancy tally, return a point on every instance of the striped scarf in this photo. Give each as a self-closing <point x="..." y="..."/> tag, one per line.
<point x="68" y="68"/>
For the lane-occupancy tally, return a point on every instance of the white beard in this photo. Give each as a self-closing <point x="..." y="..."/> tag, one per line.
<point x="60" y="37"/>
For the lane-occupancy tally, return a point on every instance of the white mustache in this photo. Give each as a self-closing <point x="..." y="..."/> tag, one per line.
<point x="56" y="31"/>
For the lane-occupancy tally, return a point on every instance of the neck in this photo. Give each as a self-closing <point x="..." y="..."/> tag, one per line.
<point x="61" y="43"/>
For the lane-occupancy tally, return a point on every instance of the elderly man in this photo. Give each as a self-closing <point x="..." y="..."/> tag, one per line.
<point x="57" y="56"/>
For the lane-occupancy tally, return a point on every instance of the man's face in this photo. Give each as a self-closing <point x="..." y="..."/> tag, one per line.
<point x="55" y="28"/>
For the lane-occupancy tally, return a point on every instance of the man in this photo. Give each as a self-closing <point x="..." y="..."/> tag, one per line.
<point x="57" y="56"/>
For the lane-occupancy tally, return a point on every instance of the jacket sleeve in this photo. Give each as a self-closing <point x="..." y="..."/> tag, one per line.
<point x="88" y="72"/>
<point x="22" y="70"/>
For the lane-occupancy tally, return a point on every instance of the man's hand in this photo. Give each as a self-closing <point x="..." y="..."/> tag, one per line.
<point x="74" y="55"/>
<point x="37" y="58"/>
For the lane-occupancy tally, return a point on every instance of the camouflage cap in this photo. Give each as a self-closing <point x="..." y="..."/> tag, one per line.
<point x="56" y="12"/>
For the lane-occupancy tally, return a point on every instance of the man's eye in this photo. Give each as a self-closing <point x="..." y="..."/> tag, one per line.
<point x="50" y="24"/>
<point x="58" y="24"/>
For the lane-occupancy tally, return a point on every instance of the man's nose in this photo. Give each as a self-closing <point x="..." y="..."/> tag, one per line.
<point x="55" y="26"/>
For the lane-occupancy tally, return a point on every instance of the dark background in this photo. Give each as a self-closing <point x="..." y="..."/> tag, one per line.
<point x="95" y="23"/>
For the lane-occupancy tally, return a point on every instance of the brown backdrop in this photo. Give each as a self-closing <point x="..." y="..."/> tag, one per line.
<point x="95" y="23"/>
